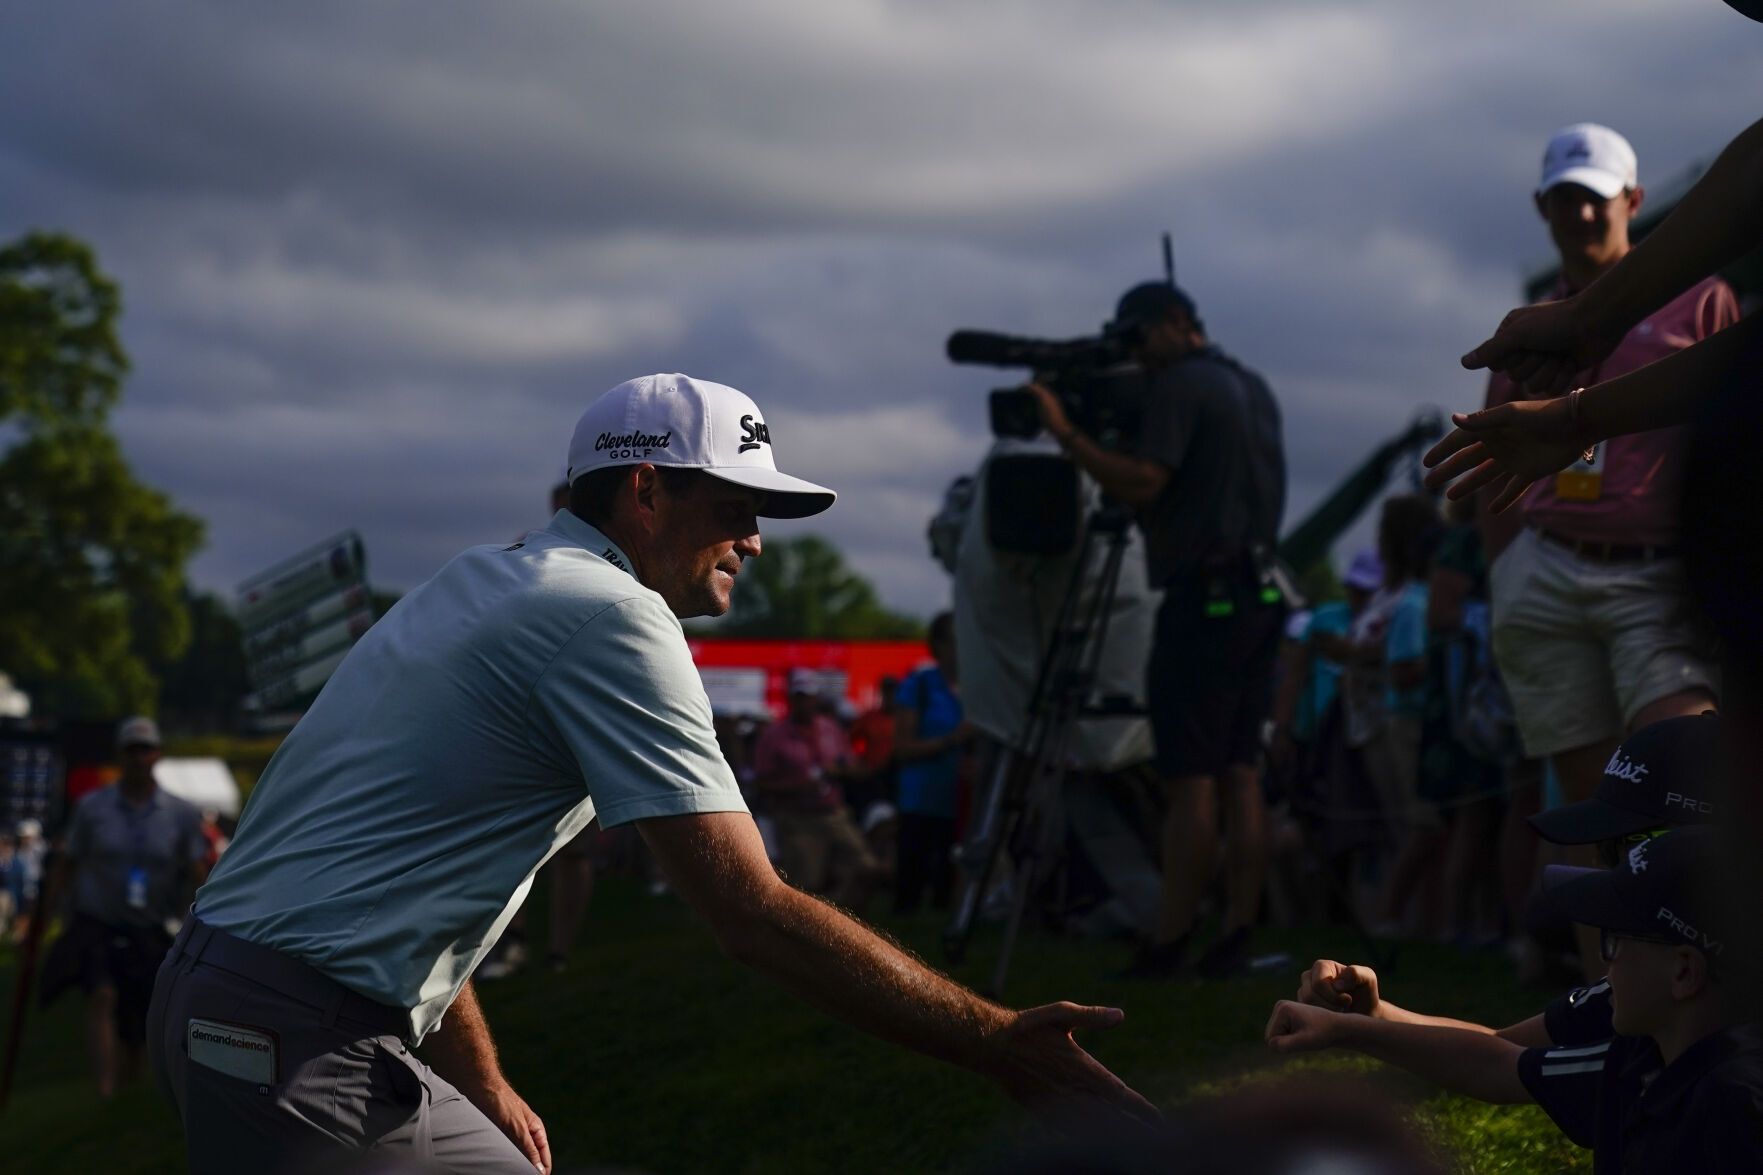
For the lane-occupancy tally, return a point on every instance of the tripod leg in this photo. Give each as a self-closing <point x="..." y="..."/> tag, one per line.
<point x="978" y="854"/>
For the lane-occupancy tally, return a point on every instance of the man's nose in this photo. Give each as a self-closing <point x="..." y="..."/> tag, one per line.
<point x="748" y="547"/>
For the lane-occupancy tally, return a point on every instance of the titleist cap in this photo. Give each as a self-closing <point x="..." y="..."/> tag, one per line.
<point x="1664" y="774"/>
<point x="1666" y="888"/>
<point x="1591" y="156"/>
<point x="690" y="424"/>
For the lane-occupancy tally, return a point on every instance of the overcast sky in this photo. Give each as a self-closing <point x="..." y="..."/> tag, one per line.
<point x="377" y="256"/>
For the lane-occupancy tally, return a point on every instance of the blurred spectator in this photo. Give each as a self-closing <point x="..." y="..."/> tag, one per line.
<point x="29" y="851"/>
<point x="1310" y="1125"/>
<point x="930" y="732"/>
<point x="797" y="767"/>
<point x="1590" y="625"/>
<point x="1321" y="775"/>
<point x="211" y="832"/>
<point x="874" y="778"/>
<point x="1465" y="779"/>
<point x="1408" y="525"/>
<point x="1380" y="689"/>
<point x="134" y="856"/>
<point x="11" y="884"/>
<point x="1311" y="674"/>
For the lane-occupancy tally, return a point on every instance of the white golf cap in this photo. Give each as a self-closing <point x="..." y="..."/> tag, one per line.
<point x="690" y="424"/>
<point x="139" y="731"/>
<point x="1592" y="156"/>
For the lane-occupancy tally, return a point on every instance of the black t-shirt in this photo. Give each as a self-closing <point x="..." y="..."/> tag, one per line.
<point x="1216" y="425"/>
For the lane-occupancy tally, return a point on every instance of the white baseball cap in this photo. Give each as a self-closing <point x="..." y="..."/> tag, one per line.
<point x="139" y="731"/>
<point x="1592" y="156"/>
<point x="690" y="424"/>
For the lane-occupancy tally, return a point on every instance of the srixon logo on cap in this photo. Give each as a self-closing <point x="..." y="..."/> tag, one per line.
<point x="753" y="434"/>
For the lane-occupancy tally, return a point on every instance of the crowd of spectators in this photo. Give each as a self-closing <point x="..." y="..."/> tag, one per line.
<point x="850" y="803"/>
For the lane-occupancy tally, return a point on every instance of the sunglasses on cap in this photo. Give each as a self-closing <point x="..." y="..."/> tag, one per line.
<point x="1611" y="853"/>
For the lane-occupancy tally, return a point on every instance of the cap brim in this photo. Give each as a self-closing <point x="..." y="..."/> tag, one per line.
<point x="1589" y="896"/>
<point x="1590" y="821"/>
<point x="1597" y="179"/>
<point x="785" y="496"/>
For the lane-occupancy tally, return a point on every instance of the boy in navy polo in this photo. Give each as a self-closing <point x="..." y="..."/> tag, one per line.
<point x="1681" y="1084"/>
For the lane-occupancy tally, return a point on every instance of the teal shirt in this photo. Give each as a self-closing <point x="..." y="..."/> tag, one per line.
<point x="1405" y="640"/>
<point x="476" y="729"/>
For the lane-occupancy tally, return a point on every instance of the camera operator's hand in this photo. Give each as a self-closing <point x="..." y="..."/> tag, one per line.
<point x="1339" y="986"/>
<point x="1053" y="417"/>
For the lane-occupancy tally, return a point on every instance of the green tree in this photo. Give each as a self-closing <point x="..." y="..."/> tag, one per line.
<point x="801" y="588"/>
<point x="202" y="688"/>
<point x="93" y="594"/>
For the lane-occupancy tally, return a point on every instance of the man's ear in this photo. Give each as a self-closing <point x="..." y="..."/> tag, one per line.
<point x="1536" y="198"/>
<point x="644" y="485"/>
<point x="1637" y="196"/>
<point x="1689" y="975"/>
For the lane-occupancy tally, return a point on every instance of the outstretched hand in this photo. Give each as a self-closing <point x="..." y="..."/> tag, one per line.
<point x="1340" y="987"/>
<point x="1504" y="449"/>
<point x="1040" y="1065"/>
<point x="1540" y="348"/>
<point x="1302" y="1028"/>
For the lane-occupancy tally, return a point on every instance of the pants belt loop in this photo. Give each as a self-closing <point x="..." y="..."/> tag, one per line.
<point x="334" y="1006"/>
<point x="200" y="936"/>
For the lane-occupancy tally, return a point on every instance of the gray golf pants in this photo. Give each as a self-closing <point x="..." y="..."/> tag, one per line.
<point x="315" y="1070"/>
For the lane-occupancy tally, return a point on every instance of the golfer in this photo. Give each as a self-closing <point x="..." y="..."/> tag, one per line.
<point x="474" y="731"/>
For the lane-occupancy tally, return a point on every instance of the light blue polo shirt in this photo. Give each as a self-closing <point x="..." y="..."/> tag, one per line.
<point x="472" y="732"/>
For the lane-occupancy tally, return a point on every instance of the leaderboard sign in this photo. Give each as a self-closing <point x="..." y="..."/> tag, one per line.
<point x="299" y="619"/>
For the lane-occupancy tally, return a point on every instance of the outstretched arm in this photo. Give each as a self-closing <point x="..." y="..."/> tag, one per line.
<point x="1477" y="1064"/>
<point x="1352" y="987"/>
<point x="1510" y="446"/>
<point x="717" y="862"/>
<point x="1541" y="347"/>
<point x="462" y="1051"/>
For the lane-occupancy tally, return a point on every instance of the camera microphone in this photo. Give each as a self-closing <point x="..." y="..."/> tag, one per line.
<point x="982" y="346"/>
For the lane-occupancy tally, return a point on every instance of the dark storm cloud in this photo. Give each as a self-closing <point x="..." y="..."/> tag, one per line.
<point x="376" y="257"/>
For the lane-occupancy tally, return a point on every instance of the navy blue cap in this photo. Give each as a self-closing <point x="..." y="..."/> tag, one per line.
<point x="1149" y="302"/>
<point x="1665" y="888"/>
<point x="1664" y="775"/>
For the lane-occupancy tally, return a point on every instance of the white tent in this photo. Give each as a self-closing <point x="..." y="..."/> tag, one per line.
<point x="206" y="783"/>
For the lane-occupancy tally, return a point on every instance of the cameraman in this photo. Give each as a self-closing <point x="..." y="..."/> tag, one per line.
<point x="1207" y="480"/>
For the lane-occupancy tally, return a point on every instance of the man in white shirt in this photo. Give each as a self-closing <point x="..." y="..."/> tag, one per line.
<point x="476" y="729"/>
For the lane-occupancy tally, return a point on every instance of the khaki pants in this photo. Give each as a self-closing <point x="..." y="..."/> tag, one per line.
<point x="814" y="847"/>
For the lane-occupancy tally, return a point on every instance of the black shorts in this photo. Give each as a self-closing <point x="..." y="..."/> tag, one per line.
<point x="123" y="958"/>
<point x="1210" y="679"/>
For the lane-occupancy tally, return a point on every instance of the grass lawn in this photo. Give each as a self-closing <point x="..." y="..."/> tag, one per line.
<point x="654" y="1053"/>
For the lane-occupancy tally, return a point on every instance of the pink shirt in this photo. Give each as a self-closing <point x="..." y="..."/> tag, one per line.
<point x="796" y="758"/>
<point x="1642" y="473"/>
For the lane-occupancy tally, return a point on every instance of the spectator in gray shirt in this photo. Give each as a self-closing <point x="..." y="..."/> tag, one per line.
<point x="133" y="856"/>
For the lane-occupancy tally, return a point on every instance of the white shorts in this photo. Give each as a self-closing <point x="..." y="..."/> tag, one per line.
<point x="1584" y="645"/>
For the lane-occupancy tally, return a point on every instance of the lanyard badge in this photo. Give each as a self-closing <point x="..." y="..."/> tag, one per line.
<point x="1583" y="481"/>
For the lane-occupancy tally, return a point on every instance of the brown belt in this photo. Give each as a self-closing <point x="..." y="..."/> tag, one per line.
<point x="1609" y="552"/>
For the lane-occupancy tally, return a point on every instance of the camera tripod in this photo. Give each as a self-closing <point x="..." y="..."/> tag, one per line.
<point x="1021" y="808"/>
